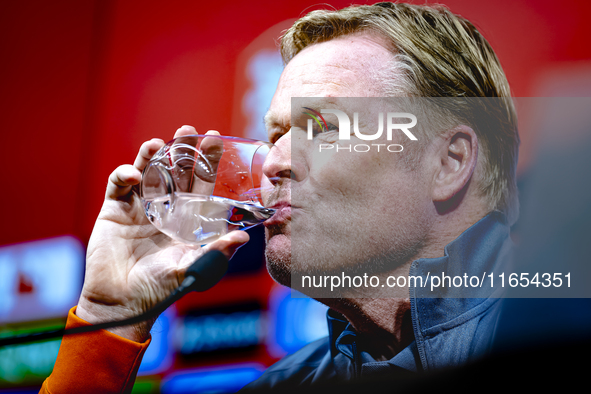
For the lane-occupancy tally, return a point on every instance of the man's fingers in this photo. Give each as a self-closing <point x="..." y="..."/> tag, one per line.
<point x="185" y="130"/>
<point x="193" y="171"/>
<point x="121" y="180"/>
<point x="190" y="130"/>
<point x="124" y="177"/>
<point x="229" y="243"/>
<point x="146" y="152"/>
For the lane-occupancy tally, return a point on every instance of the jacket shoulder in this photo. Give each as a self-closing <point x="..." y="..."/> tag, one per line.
<point x="293" y="369"/>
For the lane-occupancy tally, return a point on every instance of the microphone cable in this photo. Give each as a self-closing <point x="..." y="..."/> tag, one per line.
<point x="202" y="275"/>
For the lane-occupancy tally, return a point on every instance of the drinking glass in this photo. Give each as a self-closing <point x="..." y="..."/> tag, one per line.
<point x="197" y="188"/>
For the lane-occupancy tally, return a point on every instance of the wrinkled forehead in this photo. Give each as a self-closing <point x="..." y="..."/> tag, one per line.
<point x="348" y="66"/>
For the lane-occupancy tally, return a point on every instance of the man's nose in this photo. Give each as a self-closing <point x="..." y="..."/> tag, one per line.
<point x="277" y="166"/>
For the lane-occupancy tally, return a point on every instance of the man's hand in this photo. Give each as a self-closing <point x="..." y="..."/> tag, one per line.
<point x="130" y="265"/>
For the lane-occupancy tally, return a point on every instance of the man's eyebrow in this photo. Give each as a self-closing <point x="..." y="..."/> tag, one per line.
<point x="269" y="119"/>
<point x="272" y="120"/>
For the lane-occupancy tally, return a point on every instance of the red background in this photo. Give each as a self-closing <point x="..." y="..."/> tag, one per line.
<point x="84" y="83"/>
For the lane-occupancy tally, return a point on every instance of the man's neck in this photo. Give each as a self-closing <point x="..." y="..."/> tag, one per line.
<point x="385" y="324"/>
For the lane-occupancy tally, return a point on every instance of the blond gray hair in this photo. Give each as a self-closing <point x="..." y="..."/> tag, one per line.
<point x="440" y="54"/>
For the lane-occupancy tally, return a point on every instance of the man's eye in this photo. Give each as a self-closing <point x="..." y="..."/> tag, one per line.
<point x="316" y="123"/>
<point x="322" y="128"/>
<point x="332" y="127"/>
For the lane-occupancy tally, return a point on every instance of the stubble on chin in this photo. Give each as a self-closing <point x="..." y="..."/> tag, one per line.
<point x="278" y="254"/>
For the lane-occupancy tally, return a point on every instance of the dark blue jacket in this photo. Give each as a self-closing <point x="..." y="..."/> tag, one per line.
<point x="448" y="331"/>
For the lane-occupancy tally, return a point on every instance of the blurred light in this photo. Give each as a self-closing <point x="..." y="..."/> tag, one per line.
<point x="146" y="385"/>
<point x="295" y="322"/>
<point x="227" y="328"/>
<point x="31" y="362"/>
<point x="227" y="379"/>
<point x="263" y="69"/>
<point x="158" y="356"/>
<point x="40" y="279"/>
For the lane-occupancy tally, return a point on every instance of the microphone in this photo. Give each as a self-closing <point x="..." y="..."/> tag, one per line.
<point x="202" y="275"/>
<point x="205" y="272"/>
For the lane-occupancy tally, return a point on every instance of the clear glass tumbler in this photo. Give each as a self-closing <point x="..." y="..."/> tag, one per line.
<point x="197" y="188"/>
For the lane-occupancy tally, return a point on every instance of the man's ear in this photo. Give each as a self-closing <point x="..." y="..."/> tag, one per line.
<point x="457" y="157"/>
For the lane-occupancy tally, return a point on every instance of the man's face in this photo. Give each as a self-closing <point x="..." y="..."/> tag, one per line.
<point x="337" y="209"/>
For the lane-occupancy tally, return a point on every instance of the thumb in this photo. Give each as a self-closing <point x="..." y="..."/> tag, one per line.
<point x="227" y="244"/>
